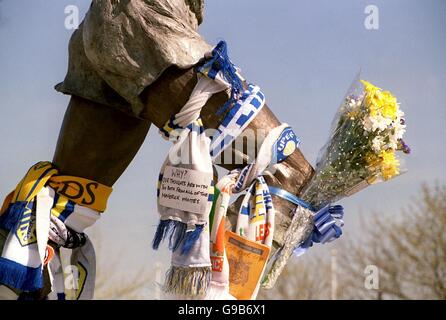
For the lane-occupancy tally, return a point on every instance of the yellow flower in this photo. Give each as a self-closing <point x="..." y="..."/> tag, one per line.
<point x="390" y="106"/>
<point x="389" y="164"/>
<point x="369" y="88"/>
<point x="385" y="162"/>
<point x="372" y="159"/>
<point x="373" y="163"/>
<point x="379" y="102"/>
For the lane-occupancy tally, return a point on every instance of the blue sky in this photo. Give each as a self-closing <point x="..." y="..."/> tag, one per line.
<point x="304" y="55"/>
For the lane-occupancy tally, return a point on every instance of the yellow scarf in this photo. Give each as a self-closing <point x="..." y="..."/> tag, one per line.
<point x="82" y="191"/>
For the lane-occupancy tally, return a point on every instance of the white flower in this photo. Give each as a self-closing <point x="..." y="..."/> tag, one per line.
<point x="377" y="144"/>
<point x="393" y="142"/>
<point x="377" y="122"/>
<point x="367" y="124"/>
<point x="382" y="123"/>
<point x="352" y="103"/>
<point x="400" y="129"/>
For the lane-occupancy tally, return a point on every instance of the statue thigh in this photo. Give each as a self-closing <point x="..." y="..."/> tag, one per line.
<point x="97" y="142"/>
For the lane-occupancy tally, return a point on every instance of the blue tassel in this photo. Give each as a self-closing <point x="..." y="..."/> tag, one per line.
<point x="20" y="277"/>
<point x="177" y="235"/>
<point x="161" y="232"/>
<point x="191" y="238"/>
<point x="220" y="62"/>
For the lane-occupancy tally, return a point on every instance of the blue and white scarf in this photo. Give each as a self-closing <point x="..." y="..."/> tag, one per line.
<point x="187" y="231"/>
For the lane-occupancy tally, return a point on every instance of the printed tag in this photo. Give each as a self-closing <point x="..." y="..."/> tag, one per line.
<point x="247" y="259"/>
<point x="185" y="189"/>
<point x="285" y="145"/>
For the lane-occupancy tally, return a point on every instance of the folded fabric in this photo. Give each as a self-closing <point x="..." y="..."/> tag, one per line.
<point x="26" y="214"/>
<point x="186" y="172"/>
<point x="237" y="119"/>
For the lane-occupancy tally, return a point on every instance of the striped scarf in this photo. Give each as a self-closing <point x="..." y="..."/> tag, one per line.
<point x="26" y="213"/>
<point x="187" y="231"/>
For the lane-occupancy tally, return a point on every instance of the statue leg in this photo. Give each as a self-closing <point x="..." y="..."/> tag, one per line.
<point x="97" y="142"/>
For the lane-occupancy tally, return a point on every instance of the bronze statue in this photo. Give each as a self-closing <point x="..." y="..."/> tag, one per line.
<point x="131" y="64"/>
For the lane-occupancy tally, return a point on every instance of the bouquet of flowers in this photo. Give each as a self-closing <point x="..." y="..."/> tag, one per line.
<point x="364" y="145"/>
<point x="366" y="137"/>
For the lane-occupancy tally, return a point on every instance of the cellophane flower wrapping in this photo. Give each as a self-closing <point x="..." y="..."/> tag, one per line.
<point x="365" y="145"/>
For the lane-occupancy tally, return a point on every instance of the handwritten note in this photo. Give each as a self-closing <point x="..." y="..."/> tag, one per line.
<point x="185" y="189"/>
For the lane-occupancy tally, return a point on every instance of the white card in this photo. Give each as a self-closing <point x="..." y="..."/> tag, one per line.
<point x="185" y="189"/>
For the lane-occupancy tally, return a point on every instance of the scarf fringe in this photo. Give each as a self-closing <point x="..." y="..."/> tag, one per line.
<point x="191" y="238"/>
<point x="161" y="232"/>
<point x="188" y="281"/>
<point x="20" y="277"/>
<point x="220" y="62"/>
<point x="178" y="235"/>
